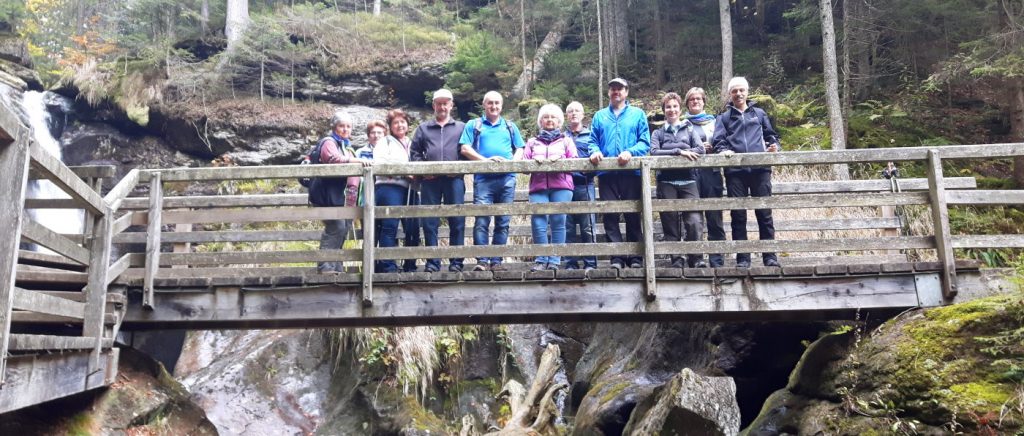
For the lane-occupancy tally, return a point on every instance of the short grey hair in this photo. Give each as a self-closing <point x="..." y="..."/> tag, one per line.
<point x="737" y="82"/>
<point x="551" y="109"/>
<point x="493" y="95"/>
<point x="574" y="104"/>
<point x="341" y="117"/>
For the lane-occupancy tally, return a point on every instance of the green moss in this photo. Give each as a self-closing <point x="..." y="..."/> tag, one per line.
<point x="81" y="424"/>
<point x="980" y="395"/>
<point x="614" y="391"/>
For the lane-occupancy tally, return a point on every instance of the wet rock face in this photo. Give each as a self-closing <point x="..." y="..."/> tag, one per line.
<point x="102" y="144"/>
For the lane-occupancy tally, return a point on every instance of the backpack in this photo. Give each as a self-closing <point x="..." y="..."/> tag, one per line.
<point x="479" y="128"/>
<point x="311" y="157"/>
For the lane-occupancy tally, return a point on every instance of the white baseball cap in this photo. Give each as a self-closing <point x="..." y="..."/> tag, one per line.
<point x="443" y="93"/>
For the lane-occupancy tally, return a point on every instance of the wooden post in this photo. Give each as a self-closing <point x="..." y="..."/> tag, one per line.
<point x="940" y="217"/>
<point x="156" y="203"/>
<point x="89" y="219"/>
<point x="647" y="215"/>
<point x="96" y="288"/>
<point x="368" y="235"/>
<point x="14" y="164"/>
<point x="183" y="247"/>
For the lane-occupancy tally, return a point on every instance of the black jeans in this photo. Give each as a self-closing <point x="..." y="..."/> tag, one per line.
<point x="675" y="229"/>
<point x="711" y="186"/>
<point x="621" y="186"/>
<point x="755" y="183"/>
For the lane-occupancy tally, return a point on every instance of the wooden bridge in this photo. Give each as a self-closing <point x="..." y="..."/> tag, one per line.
<point x="152" y="258"/>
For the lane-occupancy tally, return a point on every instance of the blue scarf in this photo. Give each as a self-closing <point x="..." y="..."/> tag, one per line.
<point x="549" y="136"/>
<point x="700" y="119"/>
<point x="342" y="142"/>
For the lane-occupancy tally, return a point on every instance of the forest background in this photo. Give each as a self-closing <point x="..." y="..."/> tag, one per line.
<point x="832" y="74"/>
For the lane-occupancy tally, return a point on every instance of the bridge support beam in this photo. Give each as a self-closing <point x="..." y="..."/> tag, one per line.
<point x="679" y="299"/>
<point x="647" y="214"/>
<point x="14" y="164"/>
<point x="940" y="219"/>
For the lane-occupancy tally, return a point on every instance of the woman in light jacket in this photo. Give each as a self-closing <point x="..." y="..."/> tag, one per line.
<point x="549" y="145"/>
<point x="398" y="124"/>
<point x="388" y="190"/>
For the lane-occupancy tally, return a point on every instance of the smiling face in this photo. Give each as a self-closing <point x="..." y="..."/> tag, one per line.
<point x="492" y="106"/>
<point x="550" y="121"/>
<point x="738" y="95"/>
<point x="375" y="134"/>
<point x="695" y="104"/>
<point x="617" y="94"/>
<point x="399" y="127"/>
<point x="574" y="115"/>
<point x="442" y="109"/>
<point x="672" y="111"/>
<point x="343" y="129"/>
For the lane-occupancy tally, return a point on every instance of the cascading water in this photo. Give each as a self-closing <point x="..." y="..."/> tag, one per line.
<point x="68" y="221"/>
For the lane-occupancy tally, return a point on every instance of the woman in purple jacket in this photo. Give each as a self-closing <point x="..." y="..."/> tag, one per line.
<point x="549" y="145"/>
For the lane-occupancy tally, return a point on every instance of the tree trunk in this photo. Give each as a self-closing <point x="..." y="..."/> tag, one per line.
<point x="846" y="97"/>
<point x="522" y="87"/>
<point x="80" y="16"/>
<point x="725" y="20"/>
<point x="522" y="30"/>
<point x="659" y="53"/>
<point x="1017" y="130"/>
<point x="600" y="57"/>
<point x="204" y="17"/>
<point x="533" y="411"/>
<point x="376" y="8"/>
<point x="236" y="22"/>
<point x="835" y="113"/>
<point x="619" y="29"/>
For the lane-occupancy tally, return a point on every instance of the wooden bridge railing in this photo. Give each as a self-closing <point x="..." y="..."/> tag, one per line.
<point x="87" y="255"/>
<point x="156" y="210"/>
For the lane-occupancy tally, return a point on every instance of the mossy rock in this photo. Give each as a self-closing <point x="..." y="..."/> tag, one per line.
<point x="927" y="371"/>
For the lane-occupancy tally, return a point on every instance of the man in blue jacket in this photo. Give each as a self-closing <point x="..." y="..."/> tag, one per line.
<point x="745" y="128"/>
<point x="620" y="130"/>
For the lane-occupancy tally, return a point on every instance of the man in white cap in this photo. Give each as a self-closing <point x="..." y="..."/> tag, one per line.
<point x="620" y="131"/>
<point x="745" y="128"/>
<point x="437" y="140"/>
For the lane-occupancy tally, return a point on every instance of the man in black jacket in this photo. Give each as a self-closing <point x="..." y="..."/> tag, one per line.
<point x="745" y="128"/>
<point x="437" y="140"/>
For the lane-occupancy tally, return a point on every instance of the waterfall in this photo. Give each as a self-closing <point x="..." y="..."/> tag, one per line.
<point x="68" y="221"/>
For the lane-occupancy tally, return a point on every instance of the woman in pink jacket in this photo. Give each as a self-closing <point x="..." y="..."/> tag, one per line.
<point x="549" y="145"/>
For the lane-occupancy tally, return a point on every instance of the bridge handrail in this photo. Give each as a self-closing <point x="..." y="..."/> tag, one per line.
<point x="874" y="155"/>
<point x="288" y="207"/>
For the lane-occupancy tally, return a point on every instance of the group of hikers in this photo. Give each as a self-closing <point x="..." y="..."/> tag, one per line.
<point x="619" y="131"/>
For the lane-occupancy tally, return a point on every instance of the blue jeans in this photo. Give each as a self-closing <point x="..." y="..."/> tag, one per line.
<point x="586" y="223"/>
<point x="443" y="190"/>
<point x="411" y="227"/>
<point x="493" y="190"/>
<point x="539" y="223"/>
<point x="389" y="194"/>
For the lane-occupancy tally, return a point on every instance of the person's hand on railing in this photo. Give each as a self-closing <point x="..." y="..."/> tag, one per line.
<point x="772" y="148"/>
<point x="624" y="158"/>
<point x="727" y="153"/>
<point x="595" y="158"/>
<point x="688" y="154"/>
<point x="363" y="162"/>
<point x="497" y="159"/>
<point x="554" y="159"/>
<point x="540" y="159"/>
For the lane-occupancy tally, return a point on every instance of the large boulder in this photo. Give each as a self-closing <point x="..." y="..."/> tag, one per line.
<point x="689" y="404"/>
<point x="935" y="371"/>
